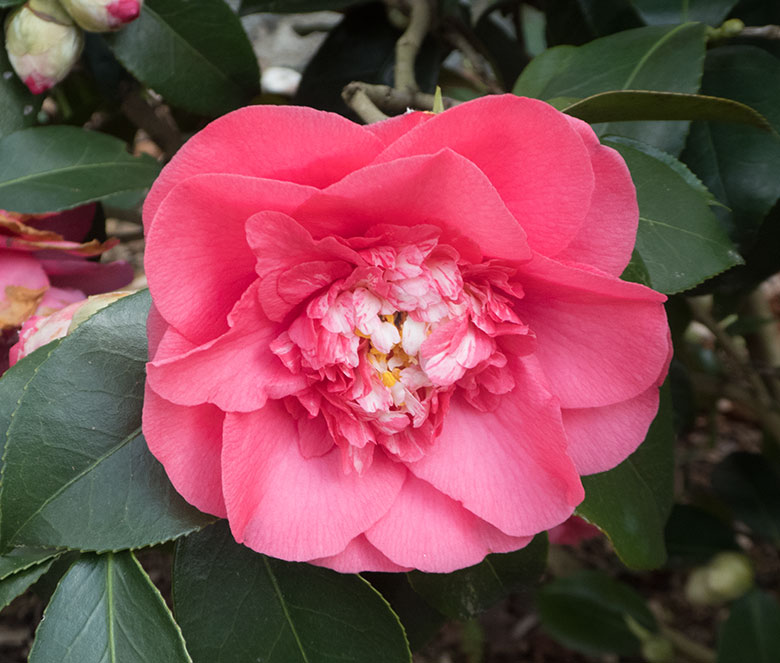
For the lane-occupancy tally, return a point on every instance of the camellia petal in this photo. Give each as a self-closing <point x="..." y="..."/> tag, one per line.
<point x="510" y="466"/>
<point x="427" y="530"/>
<point x="188" y="442"/>
<point x="549" y="200"/>
<point x="288" y="506"/>
<point x="197" y="259"/>
<point x="318" y="149"/>
<point x="606" y="239"/>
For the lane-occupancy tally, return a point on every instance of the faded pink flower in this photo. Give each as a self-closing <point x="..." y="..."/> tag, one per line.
<point x="44" y="267"/>
<point x="400" y="345"/>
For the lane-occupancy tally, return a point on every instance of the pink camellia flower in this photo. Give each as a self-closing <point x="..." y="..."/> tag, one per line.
<point x="44" y="267"/>
<point x="399" y="345"/>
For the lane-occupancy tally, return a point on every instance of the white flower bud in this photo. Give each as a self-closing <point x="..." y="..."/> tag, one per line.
<point x="103" y="15"/>
<point x="42" y="42"/>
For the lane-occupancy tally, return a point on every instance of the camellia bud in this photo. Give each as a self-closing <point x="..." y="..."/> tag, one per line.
<point x="43" y="43"/>
<point x="727" y="576"/>
<point x="103" y="15"/>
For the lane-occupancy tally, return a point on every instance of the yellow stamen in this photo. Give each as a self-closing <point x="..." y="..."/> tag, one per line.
<point x="360" y="333"/>
<point x="388" y="379"/>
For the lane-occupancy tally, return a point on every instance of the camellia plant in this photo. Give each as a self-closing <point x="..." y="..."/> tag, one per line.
<point x="467" y="347"/>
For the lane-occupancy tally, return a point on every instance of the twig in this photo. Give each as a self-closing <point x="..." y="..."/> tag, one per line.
<point x="764" y="403"/>
<point x="764" y="343"/>
<point x="409" y="44"/>
<point x="155" y="121"/>
<point x="479" y="62"/>
<point x="761" y="32"/>
<point x="690" y="649"/>
<point x="358" y="100"/>
<point x="393" y="101"/>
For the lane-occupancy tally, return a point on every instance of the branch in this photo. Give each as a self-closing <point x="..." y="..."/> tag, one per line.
<point x="409" y="44"/>
<point x="389" y="99"/>
<point x="155" y="121"/>
<point x="356" y="97"/>
<point x="761" y="32"/>
<point x="480" y="62"/>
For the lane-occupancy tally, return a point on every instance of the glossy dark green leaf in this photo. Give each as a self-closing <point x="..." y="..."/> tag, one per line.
<point x="751" y="487"/>
<point x="694" y="536"/>
<point x="668" y="59"/>
<point x="46" y="169"/>
<point x="752" y="630"/>
<point x="106" y="610"/>
<point x="587" y="612"/>
<point x="465" y="593"/>
<point x="667" y="12"/>
<point x="294" y="6"/>
<point x="14" y="584"/>
<point x="77" y="472"/>
<point x="238" y="606"/>
<point x="195" y="54"/>
<point x="10" y="3"/>
<point x="631" y="502"/>
<point x="12" y="384"/>
<point x="420" y="620"/>
<point x="679" y="238"/>
<point x="740" y="164"/>
<point x="649" y="105"/>
<point x="360" y="48"/>
<point x="580" y="21"/>
<point x="18" y="106"/>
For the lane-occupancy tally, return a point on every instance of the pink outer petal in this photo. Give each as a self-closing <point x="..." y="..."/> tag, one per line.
<point x="599" y="340"/>
<point x="508" y="466"/>
<point x="197" y="258"/>
<point x="607" y="237"/>
<point x="187" y="441"/>
<point x="443" y="190"/>
<point x="426" y="530"/>
<point x="294" y="144"/>
<point x="528" y="150"/>
<point x="155" y="330"/>
<point x="91" y="278"/>
<point x="236" y="371"/>
<point x="360" y="556"/>
<point x="602" y="437"/>
<point x="296" y="509"/>
<point x="389" y="131"/>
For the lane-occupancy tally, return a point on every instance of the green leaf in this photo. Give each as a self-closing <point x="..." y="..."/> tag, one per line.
<point x="751" y="487"/>
<point x="294" y="6"/>
<point x="17" y="583"/>
<point x="360" y="48"/>
<point x="10" y="3"/>
<point x="12" y="385"/>
<point x="195" y="54"/>
<point x="631" y="502"/>
<point x="47" y="169"/>
<point x="740" y="164"/>
<point x="694" y="536"/>
<point x="679" y="238"/>
<point x="666" y="12"/>
<point x="465" y="593"/>
<point x="752" y="630"/>
<point x="668" y="59"/>
<point x="588" y="612"/>
<point x="106" y="610"/>
<point x="77" y="472"/>
<point x="18" y="106"/>
<point x="238" y="606"/>
<point x="648" y="105"/>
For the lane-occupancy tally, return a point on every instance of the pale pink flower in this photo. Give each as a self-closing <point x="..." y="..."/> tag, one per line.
<point x="396" y="346"/>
